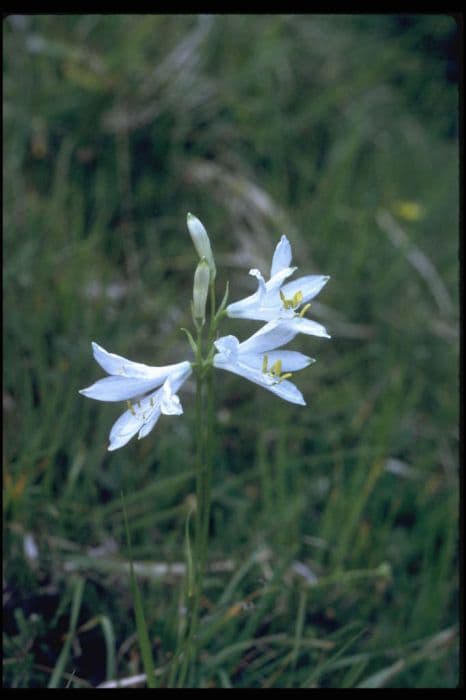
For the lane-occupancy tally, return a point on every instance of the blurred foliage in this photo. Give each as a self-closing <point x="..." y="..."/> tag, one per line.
<point x="334" y="529"/>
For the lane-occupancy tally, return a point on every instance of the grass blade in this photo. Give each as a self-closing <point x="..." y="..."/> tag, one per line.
<point x="65" y="652"/>
<point x="141" y="626"/>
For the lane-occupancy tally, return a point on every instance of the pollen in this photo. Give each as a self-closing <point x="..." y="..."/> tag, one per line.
<point x="130" y="406"/>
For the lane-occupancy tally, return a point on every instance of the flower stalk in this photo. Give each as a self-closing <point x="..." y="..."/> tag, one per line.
<point x="150" y="392"/>
<point x="204" y="459"/>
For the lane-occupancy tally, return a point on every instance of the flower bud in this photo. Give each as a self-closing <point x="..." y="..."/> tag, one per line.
<point x="201" y="290"/>
<point x="201" y="242"/>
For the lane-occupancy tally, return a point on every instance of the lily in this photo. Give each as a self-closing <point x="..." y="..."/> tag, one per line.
<point x="148" y="391"/>
<point x="275" y="300"/>
<point x="259" y="359"/>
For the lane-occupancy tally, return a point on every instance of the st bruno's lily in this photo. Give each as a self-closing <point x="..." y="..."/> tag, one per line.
<point x="259" y="359"/>
<point x="275" y="299"/>
<point x="148" y="391"/>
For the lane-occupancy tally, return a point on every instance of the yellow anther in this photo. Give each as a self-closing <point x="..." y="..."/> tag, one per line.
<point x="265" y="360"/>
<point x="303" y="310"/>
<point x="276" y="369"/>
<point x="287" y="303"/>
<point x="295" y="300"/>
<point x="130" y="406"/>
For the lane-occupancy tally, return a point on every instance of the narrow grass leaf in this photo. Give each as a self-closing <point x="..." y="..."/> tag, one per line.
<point x="189" y="558"/>
<point x="65" y="652"/>
<point x="143" y="636"/>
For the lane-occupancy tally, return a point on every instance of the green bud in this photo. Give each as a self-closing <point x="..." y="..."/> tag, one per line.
<point x="201" y="290"/>
<point x="201" y="242"/>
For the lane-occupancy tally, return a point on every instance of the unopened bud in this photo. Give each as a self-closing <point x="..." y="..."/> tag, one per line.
<point x="201" y="242"/>
<point x="201" y="290"/>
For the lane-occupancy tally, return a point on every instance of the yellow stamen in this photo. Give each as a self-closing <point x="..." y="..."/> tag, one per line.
<point x="276" y="369"/>
<point x="295" y="300"/>
<point x="265" y="360"/>
<point x="304" y="309"/>
<point x="130" y="406"/>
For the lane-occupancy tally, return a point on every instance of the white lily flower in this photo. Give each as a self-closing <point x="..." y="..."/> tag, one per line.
<point x="133" y="380"/>
<point x="275" y="300"/>
<point x="259" y="360"/>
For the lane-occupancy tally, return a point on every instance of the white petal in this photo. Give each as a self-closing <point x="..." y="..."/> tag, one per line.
<point x="142" y="416"/>
<point x="245" y="307"/>
<point x="285" y="389"/>
<point x="116" y="364"/>
<point x="291" y="360"/>
<point x="281" y="256"/>
<point x="116" y="388"/>
<point x="288" y="391"/>
<point x="228" y="346"/>
<point x="265" y="304"/>
<point x="271" y="336"/>
<point x="242" y="308"/>
<point x="252" y="306"/>
<point x="149" y="424"/>
<point x="179" y="375"/>
<point x="170" y="403"/>
<point x="309" y="286"/>
<point x="124" y="428"/>
<point x="260" y="279"/>
<point x="275" y="282"/>
<point x="121" y="366"/>
<point x="306" y="326"/>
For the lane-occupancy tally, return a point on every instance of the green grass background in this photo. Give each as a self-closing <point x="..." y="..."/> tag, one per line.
<point x="334" y="553"/>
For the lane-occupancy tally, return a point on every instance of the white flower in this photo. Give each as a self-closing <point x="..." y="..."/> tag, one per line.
<point x="259" y="360"/>
<point x="133" y="380"/>
<point x="275" y="300"/>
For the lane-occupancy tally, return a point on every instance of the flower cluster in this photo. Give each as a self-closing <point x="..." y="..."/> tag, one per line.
<point x="151" y="391"/>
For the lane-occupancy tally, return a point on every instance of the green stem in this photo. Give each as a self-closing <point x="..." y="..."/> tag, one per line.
<point x="207" y="500"/>
<point x="204" y="458"/>
<point x="209" y="444"/>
